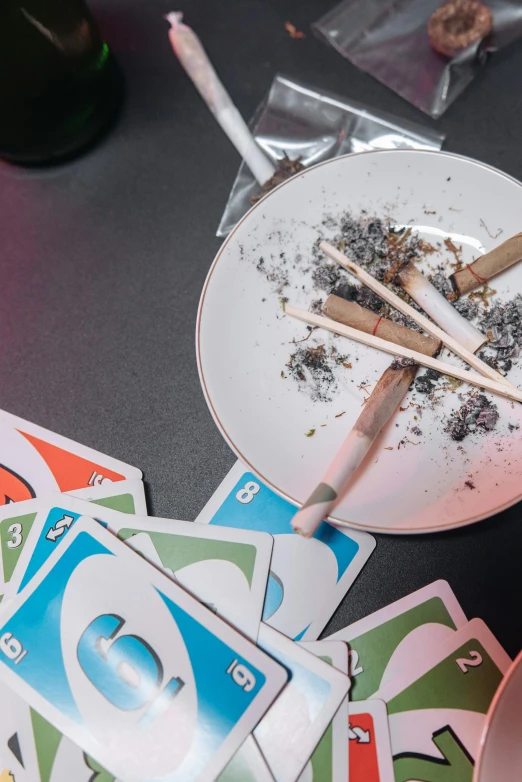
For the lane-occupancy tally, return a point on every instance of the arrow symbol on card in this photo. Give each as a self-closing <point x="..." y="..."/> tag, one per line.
<point x="358" y="734"/>
<point x="59" y="528"/>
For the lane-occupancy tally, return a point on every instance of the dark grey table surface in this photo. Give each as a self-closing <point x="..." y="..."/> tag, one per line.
<point x="103" y="260"/>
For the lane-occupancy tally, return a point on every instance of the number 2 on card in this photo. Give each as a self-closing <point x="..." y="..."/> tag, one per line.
<point x="473" y="662"/>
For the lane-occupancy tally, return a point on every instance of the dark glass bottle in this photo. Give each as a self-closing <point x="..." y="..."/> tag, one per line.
<point x="60" y="87"/>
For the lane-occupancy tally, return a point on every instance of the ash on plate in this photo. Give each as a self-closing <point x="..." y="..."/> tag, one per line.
<point x="310" y="366"/>
<point x="424" y="385"/>
<point x="477" y="414"/>
<point x="402" y="363"/>
<point x="503" y="325"/>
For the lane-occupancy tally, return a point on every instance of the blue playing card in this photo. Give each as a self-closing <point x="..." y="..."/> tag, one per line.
<point x="129" y="666"/>
<point x="308" y="578"/>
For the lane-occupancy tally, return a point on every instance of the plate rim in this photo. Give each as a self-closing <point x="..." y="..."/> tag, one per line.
<point x="492" y="711"/>
<point x="349" y="524"/>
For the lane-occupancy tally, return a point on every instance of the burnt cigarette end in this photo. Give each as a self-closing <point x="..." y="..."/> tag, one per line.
<point x="402" y="363"/>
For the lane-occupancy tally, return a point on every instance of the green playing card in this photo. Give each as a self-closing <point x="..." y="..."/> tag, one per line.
<point x="437" y="709"/>
<point x="384" y="642"/>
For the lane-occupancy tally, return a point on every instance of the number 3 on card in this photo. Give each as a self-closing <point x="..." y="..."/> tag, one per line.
<point x="246" y="494"/>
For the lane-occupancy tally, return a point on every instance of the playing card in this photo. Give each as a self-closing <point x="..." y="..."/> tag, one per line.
<point x="226" y="569"/>
<point x="385" y="641"/>
<point x="16" y="521"/>
<point x="16" y="740"/>
<point x="35" y="461"/>
<point x="369" y="739"/>
<point x="125" y="496"/>
<point x="329" y="762"/>
<point x="61" y="760"/>
<point x="293" y="726"/>
<point x="129" y="666"/>
<point x="437" y="708"/>
<point x="308" y="578"/>
<point x="247" y="765"/>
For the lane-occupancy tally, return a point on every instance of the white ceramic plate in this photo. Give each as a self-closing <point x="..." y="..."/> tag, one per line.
<point x="500" y="756"/>
<point x="244" y="342"/>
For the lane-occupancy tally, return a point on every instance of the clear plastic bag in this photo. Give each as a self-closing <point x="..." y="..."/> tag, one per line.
<point x="389" y="40"/>
<point x="299" y="120"/>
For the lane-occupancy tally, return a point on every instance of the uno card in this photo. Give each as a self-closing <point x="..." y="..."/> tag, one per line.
<point x="369" y="739"/>
<point x="16" y="522"/>
<point x="309" y="578"/>
<point x="247" y="765"/>
<point x="16" y="740"/>
<point x="384" y="642"/>
<point x="226" y="569"/>
<point x="329" y="762"/>
<point x="125" y="496"/>
<point x="61" y="760"/>
<point x="131" y="667"/>
<point x="35" y="461"/>
<point x="437" y="709"/>
<point x="293" y="726"/>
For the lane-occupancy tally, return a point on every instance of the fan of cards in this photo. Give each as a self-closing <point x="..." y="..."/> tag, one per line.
<point x="134" y="648"/>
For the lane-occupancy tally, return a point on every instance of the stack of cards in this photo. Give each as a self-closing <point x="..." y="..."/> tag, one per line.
<point x="422" y="681"/>
<point x="134" y="648"/>
<point x="138" y="649"/>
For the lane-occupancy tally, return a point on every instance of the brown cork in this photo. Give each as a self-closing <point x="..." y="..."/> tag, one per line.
<point x="352" y="314"/>
<point x="475" y="274"/>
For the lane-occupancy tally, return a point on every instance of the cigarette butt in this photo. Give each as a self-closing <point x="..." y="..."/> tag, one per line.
<point x="438" y="307"/>
<point x="475" y="274"/>
<point x="352" y="314"/>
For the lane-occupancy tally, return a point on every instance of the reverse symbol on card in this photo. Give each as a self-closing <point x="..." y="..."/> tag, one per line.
<point x="456" y="765"/>
<point x="358" y="734"/>
<point x="55" y="533"/>
<point x="13" y="488"/>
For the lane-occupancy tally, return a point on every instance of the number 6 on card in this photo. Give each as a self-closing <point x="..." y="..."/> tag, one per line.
<point x="129" y="666"/>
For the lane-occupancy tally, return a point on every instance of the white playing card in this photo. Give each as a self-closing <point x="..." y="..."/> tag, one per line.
<point x="129" y="666"/>
<point x="309" y="578"/>
<point x="35" y="461"/>
<point x="126" y="496"/>
<point x="226" y="569"/>
<point x="369" y="738"/>
<point x="329" y="762"/>
<point x="247" y="765"/>
<point x="386" y="641"/>
<point x="17" y="748"/>
<point x="293" y="726"/>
